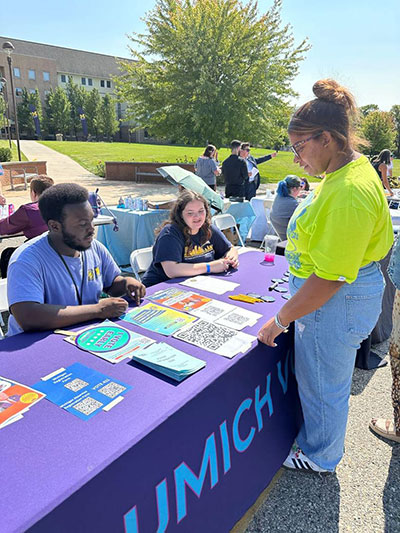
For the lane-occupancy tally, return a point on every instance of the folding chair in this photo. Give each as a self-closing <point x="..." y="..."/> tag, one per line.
<point x="226" y="221"/>
<point x="3" y="303"/>
<point x="140" y="260"/>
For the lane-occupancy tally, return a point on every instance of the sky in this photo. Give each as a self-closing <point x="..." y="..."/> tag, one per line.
<point x="357" y="42"/>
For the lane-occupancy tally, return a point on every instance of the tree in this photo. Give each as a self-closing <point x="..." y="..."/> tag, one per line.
<point x="108" y="123"/>
<point x="365" y="110"/>
<point x="77" y="97"/>
<point x="211" y="70"/>
<point x="25" y="119"/>
<point x="395" y="112"/>
<point x="378" y="128"/>
<point x="58" y="112"/>
<point x="93" y="112"/>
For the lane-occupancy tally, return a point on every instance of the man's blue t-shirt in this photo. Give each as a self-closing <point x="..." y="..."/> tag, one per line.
<point x="170" y="246"/>
<point x="36" y="273"/>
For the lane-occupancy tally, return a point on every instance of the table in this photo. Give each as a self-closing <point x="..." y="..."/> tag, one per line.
<point x="395" y="214"/>
<point x="136" y="230"/>
<point x="206" y="448"/>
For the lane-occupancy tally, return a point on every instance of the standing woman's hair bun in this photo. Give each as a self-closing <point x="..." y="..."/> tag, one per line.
<point x="331" y="91"/>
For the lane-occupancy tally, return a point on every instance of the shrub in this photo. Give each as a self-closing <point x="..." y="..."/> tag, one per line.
<point x="5" y="155"/>
<point x="100" y="169"/>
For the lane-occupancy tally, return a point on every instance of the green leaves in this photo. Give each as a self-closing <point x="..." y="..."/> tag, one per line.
<point x="378" y="128"/>
<point x="211" y="70"/>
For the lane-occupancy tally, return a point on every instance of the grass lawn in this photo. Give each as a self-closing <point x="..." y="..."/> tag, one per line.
<point x="14" y="157"/>
<point x="90" y="154"/>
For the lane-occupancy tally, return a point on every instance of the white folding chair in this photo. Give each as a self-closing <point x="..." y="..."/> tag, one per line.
<point x="3" y="303"/>
<point x="140" y="260"/>
<point x="226" y="221"/>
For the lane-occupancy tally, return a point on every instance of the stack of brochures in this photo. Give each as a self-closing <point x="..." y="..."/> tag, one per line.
<point x="169" y="361"/>
<point x="15" y="400"/>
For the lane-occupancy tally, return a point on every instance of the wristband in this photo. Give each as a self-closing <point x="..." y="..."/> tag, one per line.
<point x="281" y="326"/>
<point x="208" y="267"/>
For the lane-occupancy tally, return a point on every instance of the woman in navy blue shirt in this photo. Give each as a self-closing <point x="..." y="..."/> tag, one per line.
<point x="188" y="245"/>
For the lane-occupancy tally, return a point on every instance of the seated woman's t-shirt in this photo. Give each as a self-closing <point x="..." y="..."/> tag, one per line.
<point x="170" y="246"/>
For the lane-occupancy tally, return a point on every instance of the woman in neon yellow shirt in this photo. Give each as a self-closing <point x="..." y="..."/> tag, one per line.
<point x="335" y="238"/>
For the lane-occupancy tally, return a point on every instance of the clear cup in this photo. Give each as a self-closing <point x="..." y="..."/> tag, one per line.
<point x="270" y="249"/>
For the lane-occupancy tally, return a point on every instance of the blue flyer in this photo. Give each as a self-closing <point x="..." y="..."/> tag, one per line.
<point x="81" y="390"/>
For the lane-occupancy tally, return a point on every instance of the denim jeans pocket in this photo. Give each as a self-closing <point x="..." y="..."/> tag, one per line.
<point x="362" y="312"/>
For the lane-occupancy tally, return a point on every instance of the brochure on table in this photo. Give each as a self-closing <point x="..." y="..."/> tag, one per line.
<point x="109" y="341"/>
<point x="179" y="299"/>
<point x="215" y="338"/>
<point x="81" y="390"/>
<point x="169" y="361"/>
<point x="15" y="399"/>
<point x="158" y="319"/>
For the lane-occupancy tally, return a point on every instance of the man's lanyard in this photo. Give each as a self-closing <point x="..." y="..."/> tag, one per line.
<point x="79" y="295"/>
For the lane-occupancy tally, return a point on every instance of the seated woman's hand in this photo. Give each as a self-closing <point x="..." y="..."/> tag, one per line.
<point x="220" y="265"/>
<point x="232" y="258"/>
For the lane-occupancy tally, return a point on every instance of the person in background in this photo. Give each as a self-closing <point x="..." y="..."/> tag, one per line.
<point x="285" y="204"/>
<point x="206" y="167"/>
<point x="304" y="188"/>
<point x="235" y="173"/>
<point x="384" y="427"/>
<point x="252" y="163"/>
<point x="381" y="164"/>
<point x="55" y="280"/>
<point x="335" y="239"/>
<point x="188" y="244"/>
<point x="26" y="219"/>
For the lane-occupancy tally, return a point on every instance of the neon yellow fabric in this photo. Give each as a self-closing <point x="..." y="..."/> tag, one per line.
<point x="342" y="226"/>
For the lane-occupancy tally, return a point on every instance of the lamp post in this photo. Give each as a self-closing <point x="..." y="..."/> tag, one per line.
<point x="3" y="82"/>
<point x="8" y="49"/>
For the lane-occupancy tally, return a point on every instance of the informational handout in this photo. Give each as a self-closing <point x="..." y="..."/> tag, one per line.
<point x="178" y="299"/>
<point x="16" y="399"/>
<point x="228" y="315"/>
<point x="158" y="319"/>
<point x="210" y="284"/>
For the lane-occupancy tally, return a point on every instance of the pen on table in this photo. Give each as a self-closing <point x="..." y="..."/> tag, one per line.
<point x="272" y="287"/>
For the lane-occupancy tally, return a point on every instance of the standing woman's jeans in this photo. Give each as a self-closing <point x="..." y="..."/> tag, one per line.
<point x="326" y="342"/>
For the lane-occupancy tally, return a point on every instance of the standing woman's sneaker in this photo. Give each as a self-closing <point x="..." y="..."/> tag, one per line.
<point x="297" y="460"/>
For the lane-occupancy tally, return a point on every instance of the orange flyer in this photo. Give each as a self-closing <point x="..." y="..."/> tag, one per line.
<point x="179" y="299"/>
<point x="15" y="399"/>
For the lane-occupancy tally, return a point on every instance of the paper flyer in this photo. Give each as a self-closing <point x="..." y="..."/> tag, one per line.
<point x="210" y="284"/>
<point x="82" y="391"/>
<point x="158" y="319"/>
<point x="15" y="399"/>
<point x="178" y="299"/>
<point x="215" y="338"/>
<point x="109" y="341"/>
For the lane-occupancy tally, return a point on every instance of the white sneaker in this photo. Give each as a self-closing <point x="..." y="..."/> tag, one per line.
<point x="297" y="460"/>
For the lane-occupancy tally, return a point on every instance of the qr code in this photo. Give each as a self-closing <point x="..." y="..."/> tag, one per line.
<point x="236" y="318"/>
<point x="76" y="384"/>
<point x="88" y="406"/>
<point x="213" y="311"/>
<point x="206" y="335"/>
<point x="111" y="390"/>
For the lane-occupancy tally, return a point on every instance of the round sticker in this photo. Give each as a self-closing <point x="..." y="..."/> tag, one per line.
<point x="253" y="295"/>
<point x="275" y="280"/>
<point x="286" y="296"/>
<point x="268" y="299"/>
<point x="103" y="339"/>
<point x="29" y="397"/>
<point x="280" y="289"/>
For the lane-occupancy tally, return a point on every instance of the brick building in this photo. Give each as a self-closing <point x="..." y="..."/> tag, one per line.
<point x="44" y="67"/>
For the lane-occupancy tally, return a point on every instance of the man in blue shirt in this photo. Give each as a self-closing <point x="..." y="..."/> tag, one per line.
<point x="56" y="279"/>
<point x="252" y="163"/>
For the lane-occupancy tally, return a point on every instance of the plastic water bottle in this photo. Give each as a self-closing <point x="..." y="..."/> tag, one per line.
<point x="139" y="204"/>
<point x="145" y="205"/>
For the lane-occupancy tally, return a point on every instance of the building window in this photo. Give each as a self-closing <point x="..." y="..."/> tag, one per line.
<point x="46" y="76"/>
<point x="31" y="74"/>
<point x="108" y="84"/>
<point x="90" y="81"/>
<point x="32" y="91"/>
<point x="63" y="78"/>
<point x="17" y="72"/>
<point x="102" y="84"/>
<point x="83" y="81"/>
<point x="18" y="91"/>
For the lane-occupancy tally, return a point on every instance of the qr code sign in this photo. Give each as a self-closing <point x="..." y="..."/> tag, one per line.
<point x="111" y="390"/>
<point x="213" y="311"/>
<point x="206" y="335"/>
<point x="88" y="406"/>
<point x="76" y="384"/>
<point x="237" y="318"/>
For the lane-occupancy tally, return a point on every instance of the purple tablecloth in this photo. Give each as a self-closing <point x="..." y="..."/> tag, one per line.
<point x="195" y="455"/>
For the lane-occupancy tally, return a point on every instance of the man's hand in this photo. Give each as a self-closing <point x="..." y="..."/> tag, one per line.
<point x="135" y="289"/>
<point x="111" y="307"/>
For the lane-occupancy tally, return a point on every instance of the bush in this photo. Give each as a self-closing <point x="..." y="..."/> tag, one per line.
<point x="5" y="155"/>
<point x="100" y="169"/>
